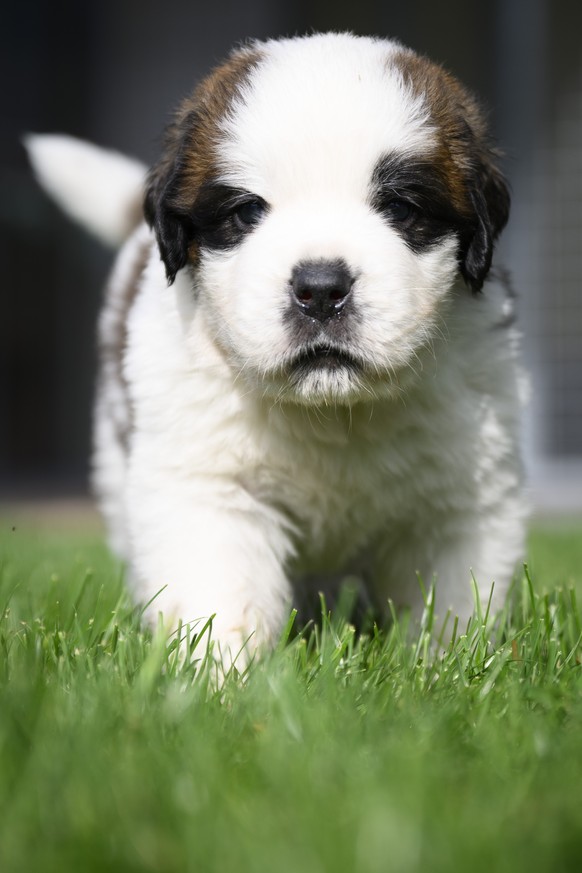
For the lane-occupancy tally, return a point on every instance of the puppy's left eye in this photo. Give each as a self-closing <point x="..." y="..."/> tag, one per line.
<point x="249" y="214"/>
<point x="399" y="210"/>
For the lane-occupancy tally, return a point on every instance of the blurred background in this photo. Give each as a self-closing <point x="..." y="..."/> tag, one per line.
<point x="111" y="71"/>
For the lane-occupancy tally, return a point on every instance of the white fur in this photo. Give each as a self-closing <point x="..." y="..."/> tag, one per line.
<point x="426" y="483"/>
<point x="317" y="135"/>
<point x="235" y="484"/>
<point x="98" y="188"/>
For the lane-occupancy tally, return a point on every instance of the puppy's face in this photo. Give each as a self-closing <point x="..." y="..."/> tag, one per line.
<point x="326" y="193"/>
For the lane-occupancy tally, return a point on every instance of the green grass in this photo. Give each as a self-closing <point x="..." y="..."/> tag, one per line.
<point x="365" y="755"/>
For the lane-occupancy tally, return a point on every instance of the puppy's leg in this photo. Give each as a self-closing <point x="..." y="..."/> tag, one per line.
<point x="202" y="552"/>
<point x="481" y="564"/>
<point x="480" y="552"/>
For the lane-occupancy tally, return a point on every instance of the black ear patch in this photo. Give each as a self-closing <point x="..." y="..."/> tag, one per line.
<point x="489" y="195"/>
<point x="171" y="233"/>
<point x="162" y="209"/>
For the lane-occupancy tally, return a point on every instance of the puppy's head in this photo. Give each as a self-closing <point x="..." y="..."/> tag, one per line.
<point x="325" y="194"/>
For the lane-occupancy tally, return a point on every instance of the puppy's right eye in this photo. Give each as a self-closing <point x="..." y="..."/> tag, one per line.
<point x="222" y="217"/>
<point x="249" y="214"/>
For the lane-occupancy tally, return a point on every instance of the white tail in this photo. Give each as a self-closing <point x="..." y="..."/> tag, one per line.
<point x="100" y="189"/>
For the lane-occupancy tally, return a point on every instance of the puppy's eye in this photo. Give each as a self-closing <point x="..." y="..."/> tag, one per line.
<point x="399" y="210"/>
<point x="248" y="214"/>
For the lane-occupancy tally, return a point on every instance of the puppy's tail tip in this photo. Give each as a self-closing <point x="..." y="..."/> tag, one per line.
<point x="99" y="188"/>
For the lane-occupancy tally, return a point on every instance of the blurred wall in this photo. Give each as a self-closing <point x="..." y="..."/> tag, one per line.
<point x="111" y="72"/>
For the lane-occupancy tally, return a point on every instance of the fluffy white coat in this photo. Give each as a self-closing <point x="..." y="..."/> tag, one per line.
<point x="233" y="489"/>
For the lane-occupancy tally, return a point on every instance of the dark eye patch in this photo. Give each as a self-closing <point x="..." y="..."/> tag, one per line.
<point x="413" y="196"/>
<point x="399" y="211"/>
<point x="222" y="216"/>
<point x="249" y="213"/>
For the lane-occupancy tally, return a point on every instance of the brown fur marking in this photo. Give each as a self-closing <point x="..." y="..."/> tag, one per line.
<point x="112" y="345"/>
<point x="458" y="122"/>
<point x="189" y="157"/>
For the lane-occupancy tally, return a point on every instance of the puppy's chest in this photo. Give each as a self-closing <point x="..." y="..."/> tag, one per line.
<point x="337" y="497"/>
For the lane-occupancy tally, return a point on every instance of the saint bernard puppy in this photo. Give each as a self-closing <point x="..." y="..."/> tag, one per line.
<point x="309" y="368"/>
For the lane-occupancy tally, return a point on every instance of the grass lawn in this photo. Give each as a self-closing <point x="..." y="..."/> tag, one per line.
<point x="365" y="755"/>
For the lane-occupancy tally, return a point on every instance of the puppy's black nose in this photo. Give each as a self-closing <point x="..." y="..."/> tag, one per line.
<point x="321" y="288"/>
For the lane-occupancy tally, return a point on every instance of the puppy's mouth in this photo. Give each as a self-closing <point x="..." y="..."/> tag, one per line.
<point x="323" y="358"/>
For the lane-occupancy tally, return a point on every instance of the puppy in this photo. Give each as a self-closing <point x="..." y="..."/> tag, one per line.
<point x="308" y="367"/>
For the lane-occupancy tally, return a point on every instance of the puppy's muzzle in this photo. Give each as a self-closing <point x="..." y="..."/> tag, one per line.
<point x="320" y="289"/>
